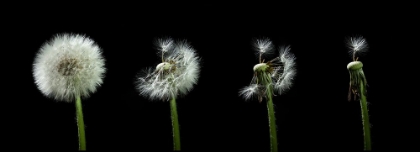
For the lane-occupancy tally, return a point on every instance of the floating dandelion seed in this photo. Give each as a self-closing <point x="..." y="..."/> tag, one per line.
<point x="269" y="77"/>
<point x="175" y="76"/>
<point x="69" y="68"/>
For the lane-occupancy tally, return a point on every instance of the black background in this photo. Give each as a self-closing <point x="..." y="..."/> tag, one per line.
<point x="313" y="115"/>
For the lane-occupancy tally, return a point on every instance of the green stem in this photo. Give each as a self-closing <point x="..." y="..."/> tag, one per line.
<point x="175" y="126"/>
<point x="80" y="124"/>
<point x="365" y="117"/>
<point x="272" y="122"/>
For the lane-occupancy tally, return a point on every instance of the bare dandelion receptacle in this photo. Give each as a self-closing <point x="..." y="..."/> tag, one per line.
<point x="355" y="65"/>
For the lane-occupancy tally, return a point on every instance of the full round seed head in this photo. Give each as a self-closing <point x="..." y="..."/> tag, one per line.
<point x="68" y="66"/>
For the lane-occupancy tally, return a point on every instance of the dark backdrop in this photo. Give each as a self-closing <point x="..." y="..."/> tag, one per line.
<point x="313" y="115"/>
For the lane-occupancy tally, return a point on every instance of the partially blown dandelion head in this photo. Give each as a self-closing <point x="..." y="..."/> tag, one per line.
<point x="357" y="46"/>
<point x="176" y="75"/>
<point x="68" y="66"/>
<point x="357" y="76"/>
<point x="275" y="75"/>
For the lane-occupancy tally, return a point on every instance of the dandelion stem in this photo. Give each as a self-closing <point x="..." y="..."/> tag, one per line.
<point x="80" y="124"/>
<point x="365" y="117"/>
<point x="272" y="121"/>
<point x="175" y="126"/>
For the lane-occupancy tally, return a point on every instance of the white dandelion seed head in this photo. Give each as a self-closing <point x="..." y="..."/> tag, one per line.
<point x="175" y="77"/>
<point x="264" y="46"/>
<point x="357" y="44"/>
<point x="68" y="66"/>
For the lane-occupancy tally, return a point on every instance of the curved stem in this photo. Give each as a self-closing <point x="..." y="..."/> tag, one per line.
<point x="175" y="125"/>
<point x="365" y="117"/>
<point x="272" y="122"/>
<point x="80" y="124"/>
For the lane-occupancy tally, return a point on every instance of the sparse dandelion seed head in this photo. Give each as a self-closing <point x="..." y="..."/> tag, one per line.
<point x="69" y="65"/>
<point x="357" y="45"/>
<point x="174" y="77"/>
<point x="277" y="73"/>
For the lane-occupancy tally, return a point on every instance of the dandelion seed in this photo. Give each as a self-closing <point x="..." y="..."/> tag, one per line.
<point x="165" y="44"/>
<point x="357" y="45"/>
<point x="250" y="91"/>
<point x="263" y="46"/>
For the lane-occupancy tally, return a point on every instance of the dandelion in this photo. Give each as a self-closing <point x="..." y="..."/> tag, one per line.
<point x="68" y="68"/>
<point x="358" y="83"/>
<point x="274" y="76"/>
<point x="174" y="77"/>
